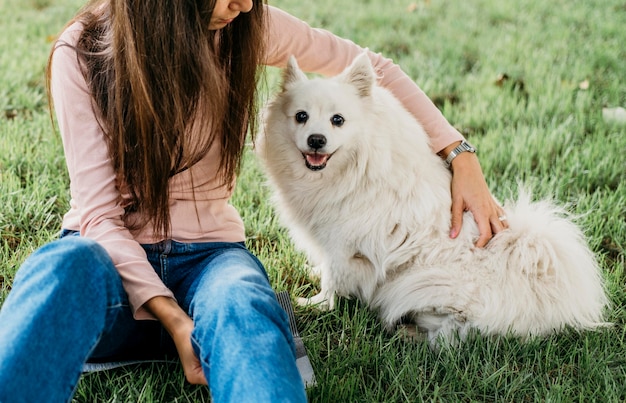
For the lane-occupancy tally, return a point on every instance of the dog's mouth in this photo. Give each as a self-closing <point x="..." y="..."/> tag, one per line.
<point x="316" y="161"/>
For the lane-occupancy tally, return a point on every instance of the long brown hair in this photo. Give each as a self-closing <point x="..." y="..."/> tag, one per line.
<point x="155" y="70"/>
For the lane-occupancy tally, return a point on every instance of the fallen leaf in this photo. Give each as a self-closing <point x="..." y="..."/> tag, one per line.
<point x="10" y="113"/>
<point x="501" y="79"/>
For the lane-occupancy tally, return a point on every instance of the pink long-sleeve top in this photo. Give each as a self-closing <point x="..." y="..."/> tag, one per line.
<point x="202" y="214"/>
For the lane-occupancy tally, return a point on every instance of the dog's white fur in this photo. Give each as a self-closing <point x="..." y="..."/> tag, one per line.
<point x="374" y="220"/>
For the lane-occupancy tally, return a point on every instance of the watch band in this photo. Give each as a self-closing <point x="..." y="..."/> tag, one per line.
<point x="461" y="148"/>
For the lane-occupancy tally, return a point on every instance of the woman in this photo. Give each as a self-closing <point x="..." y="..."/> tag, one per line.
<point x="153" y="101"/>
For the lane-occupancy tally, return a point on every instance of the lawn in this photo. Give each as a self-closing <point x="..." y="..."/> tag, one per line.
<point x="526" y="81"/>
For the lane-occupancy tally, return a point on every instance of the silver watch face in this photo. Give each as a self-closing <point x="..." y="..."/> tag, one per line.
<point x="467" y="146"/>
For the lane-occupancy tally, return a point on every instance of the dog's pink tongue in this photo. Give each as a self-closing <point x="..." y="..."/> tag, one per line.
<point x="316" y="159"/>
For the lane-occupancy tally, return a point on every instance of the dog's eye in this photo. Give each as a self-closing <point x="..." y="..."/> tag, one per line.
<point x="302" y="117"/>
<point x="337" y="120"/>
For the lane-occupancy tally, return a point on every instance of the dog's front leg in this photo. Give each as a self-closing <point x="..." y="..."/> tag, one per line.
<point x="325" y="300"/>
<point x="315" y="272"/>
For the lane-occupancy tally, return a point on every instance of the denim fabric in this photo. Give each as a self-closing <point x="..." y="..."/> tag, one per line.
<point x="68" y="306"/>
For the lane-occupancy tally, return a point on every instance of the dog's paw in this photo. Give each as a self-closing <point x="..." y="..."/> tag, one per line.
<point x="320" y="301"/>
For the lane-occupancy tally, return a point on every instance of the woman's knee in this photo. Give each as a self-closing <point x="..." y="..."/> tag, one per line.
<point x="72" y="251"/>
<point x="237" y="279"/>
<point x="247" y="308"/>
<point x="71" y="263"/>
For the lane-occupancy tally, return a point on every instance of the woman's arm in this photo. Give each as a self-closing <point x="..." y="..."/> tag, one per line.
<point x="94" y="192"/>
<point x="179" y="325"/>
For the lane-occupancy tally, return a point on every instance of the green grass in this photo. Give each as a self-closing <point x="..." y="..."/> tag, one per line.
<point x="564" y="61"/>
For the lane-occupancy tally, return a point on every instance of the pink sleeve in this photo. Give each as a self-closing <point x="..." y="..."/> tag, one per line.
<point x="92" y="179"/>
<point x="319" y="51"/>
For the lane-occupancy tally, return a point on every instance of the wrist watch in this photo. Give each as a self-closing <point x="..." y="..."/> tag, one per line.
<point x="461" y="148"/>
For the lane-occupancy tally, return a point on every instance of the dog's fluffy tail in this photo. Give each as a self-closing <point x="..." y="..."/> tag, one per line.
<point x="537" y="277"/>
<point x="547" y="278"/>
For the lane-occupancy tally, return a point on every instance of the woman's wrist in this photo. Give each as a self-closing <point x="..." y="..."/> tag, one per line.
<point x="444" y="153"/>
<point x="463" y="159"/>
<point x="169" y="313"/>
<point x="456" y="150"/>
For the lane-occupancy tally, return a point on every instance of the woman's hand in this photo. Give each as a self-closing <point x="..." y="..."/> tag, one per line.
<point x="179" y="325"/>
<point x="470" y="193"/>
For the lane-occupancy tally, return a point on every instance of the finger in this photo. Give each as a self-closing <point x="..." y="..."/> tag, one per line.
<point x="504" y="222"/>
<point x="193" y="371"/>
<point x="483" y="239"/>
<point x="500" y="223"/>
<point x="497" y="225"/>
<point x="196" y="378"/>
<point x="484" y="229"/>
<point x="457" y="218"/>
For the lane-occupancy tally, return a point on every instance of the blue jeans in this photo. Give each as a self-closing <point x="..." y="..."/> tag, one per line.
<point x="67" y="306"/>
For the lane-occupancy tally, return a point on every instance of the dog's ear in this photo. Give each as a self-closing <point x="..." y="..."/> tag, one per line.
<point x="361" y="75"/>
<point x="292" y="73"/>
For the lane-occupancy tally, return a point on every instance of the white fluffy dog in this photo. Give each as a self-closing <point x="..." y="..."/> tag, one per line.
<point x="361" y="192"/>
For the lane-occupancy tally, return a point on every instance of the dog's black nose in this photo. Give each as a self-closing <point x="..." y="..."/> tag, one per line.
<point x="316" y="141"/>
